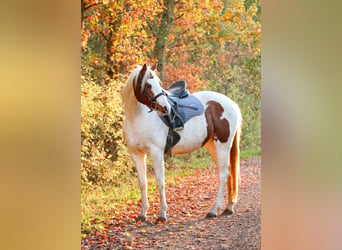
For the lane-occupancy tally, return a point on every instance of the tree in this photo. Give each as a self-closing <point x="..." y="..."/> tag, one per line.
<point x="161" y="33"/>
<point x="114" y="36"/>
<point x="210" y="44"/>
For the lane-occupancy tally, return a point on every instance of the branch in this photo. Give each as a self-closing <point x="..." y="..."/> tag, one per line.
<point x="84" y="8"/>
<point x="151" y="27"/>
<point x="191" y="28"/>
<point x="180" y="34"/>
<point x="90" y="6"/>
<point x="104" y="36"/>
<point x="176" y="18"/>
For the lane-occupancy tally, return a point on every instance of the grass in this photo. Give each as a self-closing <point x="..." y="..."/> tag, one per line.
<point x="102" y="203"/>
<point x="250" y="153"/>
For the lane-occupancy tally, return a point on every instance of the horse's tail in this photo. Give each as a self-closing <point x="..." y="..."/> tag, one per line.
<point x="234" y="168"/>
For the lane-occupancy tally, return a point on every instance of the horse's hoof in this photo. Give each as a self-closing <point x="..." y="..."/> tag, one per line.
<point x="141" y="218"/>
<point x="160" y="219"/>
<point x="210" y="215"/>
<point x="227" y="212"/>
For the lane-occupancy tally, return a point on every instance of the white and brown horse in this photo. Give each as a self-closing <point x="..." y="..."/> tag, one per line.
<point x="217" y="129"/>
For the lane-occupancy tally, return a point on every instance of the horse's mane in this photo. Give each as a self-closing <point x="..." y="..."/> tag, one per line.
<point x="128" y="89"/>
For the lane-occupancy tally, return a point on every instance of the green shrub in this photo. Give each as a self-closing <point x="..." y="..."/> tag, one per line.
<point x="104" y="157"/>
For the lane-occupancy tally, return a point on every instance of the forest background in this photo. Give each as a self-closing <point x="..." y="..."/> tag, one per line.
<point x="212" y="45"/>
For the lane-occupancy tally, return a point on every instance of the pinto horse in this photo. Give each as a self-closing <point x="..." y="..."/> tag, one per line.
<point x="217" y="129"/>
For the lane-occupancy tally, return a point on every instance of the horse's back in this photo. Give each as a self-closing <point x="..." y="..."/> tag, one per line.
<point x="231" y="110"/>
<point x="197" y="131"/>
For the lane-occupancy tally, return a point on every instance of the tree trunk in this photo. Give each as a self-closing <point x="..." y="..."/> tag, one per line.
<point x="162" y="35"/>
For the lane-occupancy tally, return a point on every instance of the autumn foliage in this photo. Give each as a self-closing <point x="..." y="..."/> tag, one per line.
<point x="213" y="45"/>
<point x="103" y="154"/>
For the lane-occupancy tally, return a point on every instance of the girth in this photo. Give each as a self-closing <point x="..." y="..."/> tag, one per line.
<point x="184" y="106"/>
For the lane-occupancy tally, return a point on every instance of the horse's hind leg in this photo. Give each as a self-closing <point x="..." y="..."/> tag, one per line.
<point x="233" y="181"/>
<point x="219" y="153"/>
<point x="140" y="164"/>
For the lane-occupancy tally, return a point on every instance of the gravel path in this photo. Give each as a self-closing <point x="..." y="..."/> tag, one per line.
<point x="189" y="200"/>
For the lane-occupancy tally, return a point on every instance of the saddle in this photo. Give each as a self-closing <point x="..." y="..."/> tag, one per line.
<point x="178" y="89"/>
<point x="184" y="106"/>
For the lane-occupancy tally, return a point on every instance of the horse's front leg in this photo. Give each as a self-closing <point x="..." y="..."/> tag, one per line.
<point x="140" y="164"/>
<point x="158" y="164"/>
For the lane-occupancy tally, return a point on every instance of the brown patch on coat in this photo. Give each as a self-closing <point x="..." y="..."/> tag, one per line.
<point x="217" y="128"/>
<point x="137" y="84"/>
<point x="138" y="92"/>
<point x="141" y="74"/>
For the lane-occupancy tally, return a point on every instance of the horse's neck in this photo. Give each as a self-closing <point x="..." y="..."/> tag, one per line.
<point x="133" y="109"/>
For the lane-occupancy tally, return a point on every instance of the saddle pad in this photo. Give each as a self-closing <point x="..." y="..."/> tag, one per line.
<point x="186" y="107"/>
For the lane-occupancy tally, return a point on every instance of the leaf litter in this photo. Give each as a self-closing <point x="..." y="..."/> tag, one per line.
<point x="189" y="200"/>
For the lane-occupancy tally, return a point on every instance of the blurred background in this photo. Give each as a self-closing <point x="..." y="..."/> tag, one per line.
<point x="212" y="45"/>
<point x="41" y="113"/>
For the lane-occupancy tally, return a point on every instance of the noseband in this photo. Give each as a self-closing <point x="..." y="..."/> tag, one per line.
<point x="153" y="100"/>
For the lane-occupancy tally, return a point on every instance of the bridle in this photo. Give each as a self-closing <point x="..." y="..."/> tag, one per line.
<point x="154" y="99"/>
<point x="149" y="101"/>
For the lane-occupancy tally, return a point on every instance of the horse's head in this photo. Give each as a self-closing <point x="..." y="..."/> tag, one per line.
<point x="148" y="91"/>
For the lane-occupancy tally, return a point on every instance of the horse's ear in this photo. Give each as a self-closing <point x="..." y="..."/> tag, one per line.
<point x="154" y="66"/>
<point x="141" y="74"/>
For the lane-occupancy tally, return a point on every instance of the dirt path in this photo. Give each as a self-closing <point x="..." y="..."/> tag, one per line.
<point x="189" y="201"/>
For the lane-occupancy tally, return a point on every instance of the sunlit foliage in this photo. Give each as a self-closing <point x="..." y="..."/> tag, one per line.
<point x="212" y="45"/>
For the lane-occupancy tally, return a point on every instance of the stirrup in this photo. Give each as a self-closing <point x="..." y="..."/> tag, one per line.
<point x="178" y="128"/>
<point x="181" y="127"/>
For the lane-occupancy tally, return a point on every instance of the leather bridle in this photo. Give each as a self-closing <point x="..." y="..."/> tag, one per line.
<point x="153" y="100"/>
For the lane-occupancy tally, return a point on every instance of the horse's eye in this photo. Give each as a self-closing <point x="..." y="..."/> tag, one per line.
<point x="151" y="77"/>
<point x="148" y="85"/>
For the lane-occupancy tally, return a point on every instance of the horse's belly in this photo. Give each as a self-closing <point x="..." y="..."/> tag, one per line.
<point x="192" y="136"/>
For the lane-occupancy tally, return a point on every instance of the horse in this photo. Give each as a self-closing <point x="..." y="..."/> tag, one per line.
<point x="218" y="129"/>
